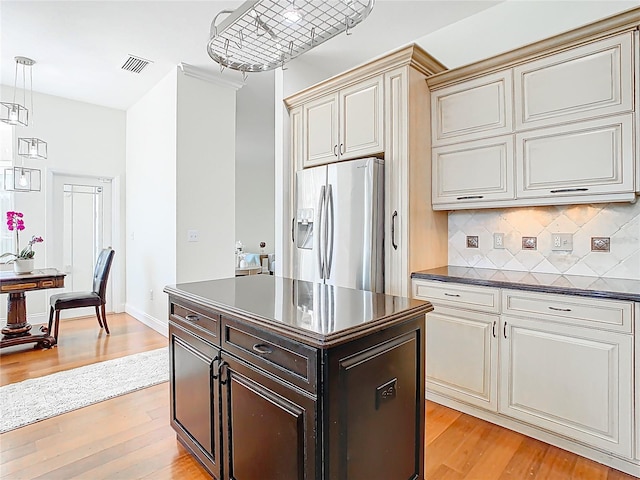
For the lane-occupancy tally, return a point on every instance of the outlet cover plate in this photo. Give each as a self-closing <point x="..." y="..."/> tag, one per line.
<point x="562" y="242"/>
<point x="498" y="240"/>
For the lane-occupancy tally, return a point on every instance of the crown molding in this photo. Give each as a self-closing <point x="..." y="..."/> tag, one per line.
<point x="625" y="21"/>
<point x="411" y="55"/>
<point x="207" y="76"/>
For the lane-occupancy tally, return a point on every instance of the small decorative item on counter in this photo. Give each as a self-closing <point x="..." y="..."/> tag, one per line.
<point x="262" y="245"/>
<point x="22" y="259"/>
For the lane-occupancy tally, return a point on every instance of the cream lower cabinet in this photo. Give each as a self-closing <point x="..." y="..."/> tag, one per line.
<point x="570" y="380"/>
<point x="462" y="355"/>
<point x="560" y="365"/>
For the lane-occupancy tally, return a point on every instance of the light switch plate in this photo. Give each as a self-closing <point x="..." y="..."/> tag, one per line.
<point x="193" y="235"/>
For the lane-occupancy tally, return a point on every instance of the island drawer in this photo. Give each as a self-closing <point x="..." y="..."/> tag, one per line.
<point x="614" y="315"/>
<point x="196" y="320"/>
<point x="485" y="299"/>
<point x="280" y="356"/>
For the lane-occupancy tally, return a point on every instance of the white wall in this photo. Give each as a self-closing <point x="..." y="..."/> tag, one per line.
<point x="84" y="139"/>
<point x="255" y="169"/>
<point x="513" y="24"/>
<point x="180" y="177"/>
<point x="151" y="201"/>
<point x="205" y="178"/>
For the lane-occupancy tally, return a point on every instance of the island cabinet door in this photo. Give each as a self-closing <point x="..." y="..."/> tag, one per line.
<point x="375" y="390"/>
<point x="195" y="396"/>
<point x="269" y="427"/>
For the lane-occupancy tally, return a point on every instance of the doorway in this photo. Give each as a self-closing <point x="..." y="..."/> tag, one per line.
<point x="81" y="222"/>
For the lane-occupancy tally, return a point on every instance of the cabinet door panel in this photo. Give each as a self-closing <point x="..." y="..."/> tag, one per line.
<point x="194" y="400"/>
<point x="462" y="355"/>
<point x="320" y="127"/>
<point x="474" y="171"/>
<point x="594" y="157"/>
<point x="362" y="127"/>
<point x="569" y="380"/>
<point x="271" y="427"/>
<point x="477" y="108"/>
<point x="580" y="83"/>
<point x="380" y="392"/>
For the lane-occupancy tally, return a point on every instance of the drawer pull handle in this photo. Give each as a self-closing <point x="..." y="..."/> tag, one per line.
<point x="504" y="330"/>
<point x="470" y="197"/>
<point x="560" y="309"/>
<point x="493" y="329"/>
<point x="193" y="318"/>
<point x="568" y="190"/>
<point x="262" y="349"/>
<point x="451" y="294"/>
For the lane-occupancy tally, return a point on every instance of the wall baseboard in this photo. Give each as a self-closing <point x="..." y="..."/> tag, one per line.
<point x="152" y="322"/>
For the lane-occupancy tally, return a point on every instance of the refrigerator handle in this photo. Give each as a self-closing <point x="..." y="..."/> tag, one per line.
<point x="321" y="243"/>
<point x="393" y="230"/>
<point x="330" y="216"/>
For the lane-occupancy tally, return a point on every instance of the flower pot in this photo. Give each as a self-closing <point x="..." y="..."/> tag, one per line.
<point x="22" y="265"/>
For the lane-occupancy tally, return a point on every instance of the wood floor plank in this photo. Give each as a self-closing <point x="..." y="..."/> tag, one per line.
<point x="526" y="461"/>
<point x="557" y="463"/>
<point x="586" y="469"/>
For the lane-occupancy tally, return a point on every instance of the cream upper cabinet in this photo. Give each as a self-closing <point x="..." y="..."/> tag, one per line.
<point x="345" y="124"/>
<point x="320" y="130"/>
<point x="585" y="158"/>
<point x="581" y="83"/>
<point x="361" y="115"/>
<point x="473" y="171"/>
<point x="570" y="380"/>
<point x="573" y="127"/>
<point x="473" y="109"/>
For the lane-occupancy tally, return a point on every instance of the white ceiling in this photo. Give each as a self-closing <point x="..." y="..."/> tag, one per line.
<point x="79" y="46"/>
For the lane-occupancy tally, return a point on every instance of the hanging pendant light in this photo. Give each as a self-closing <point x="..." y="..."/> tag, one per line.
<point x="15" y="113"/>
<point x="31" y="147"/>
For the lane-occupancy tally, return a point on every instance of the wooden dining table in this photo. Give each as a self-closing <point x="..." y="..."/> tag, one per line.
<point x="17" y="330"/>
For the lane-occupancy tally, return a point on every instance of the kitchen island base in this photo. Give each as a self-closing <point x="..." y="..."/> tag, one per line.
<point x="253" y="399"/>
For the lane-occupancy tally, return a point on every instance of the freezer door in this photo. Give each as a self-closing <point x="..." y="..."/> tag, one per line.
<point x="308" y="228"/>
<point x="354" y="255"/>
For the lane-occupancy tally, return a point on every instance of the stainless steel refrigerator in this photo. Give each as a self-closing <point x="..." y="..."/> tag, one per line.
<point x="338" y="230"/>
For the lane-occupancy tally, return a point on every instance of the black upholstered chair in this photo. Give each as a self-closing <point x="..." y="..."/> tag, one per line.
<point x="95" y="298"/>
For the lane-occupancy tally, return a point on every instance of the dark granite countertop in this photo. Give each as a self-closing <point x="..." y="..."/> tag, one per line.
<point x="597" y="287"/>
<point x="316" y="314"/>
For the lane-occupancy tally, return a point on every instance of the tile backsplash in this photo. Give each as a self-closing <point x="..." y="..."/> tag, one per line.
<point x="618" y="221"/>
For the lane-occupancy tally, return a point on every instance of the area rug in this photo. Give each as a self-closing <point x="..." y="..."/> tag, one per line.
<point x="38" y="398"/>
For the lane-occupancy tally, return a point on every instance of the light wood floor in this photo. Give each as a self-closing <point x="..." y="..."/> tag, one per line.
<point x="129" y="437"/>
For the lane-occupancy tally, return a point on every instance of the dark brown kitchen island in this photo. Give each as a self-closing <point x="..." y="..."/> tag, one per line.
<point x="279" y="379"/>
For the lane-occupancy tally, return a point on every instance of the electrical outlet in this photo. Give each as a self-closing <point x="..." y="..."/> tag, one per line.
<point x="498" y="240"/>
<point x="150" y="294"/>
<point x="562" y="242"/>
<point x="193" y="235"/>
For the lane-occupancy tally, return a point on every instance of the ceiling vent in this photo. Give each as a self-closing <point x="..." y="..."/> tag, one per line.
<point x="135" y="64"/>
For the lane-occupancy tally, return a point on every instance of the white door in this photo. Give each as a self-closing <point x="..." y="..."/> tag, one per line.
<point x="81" y="221"/>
